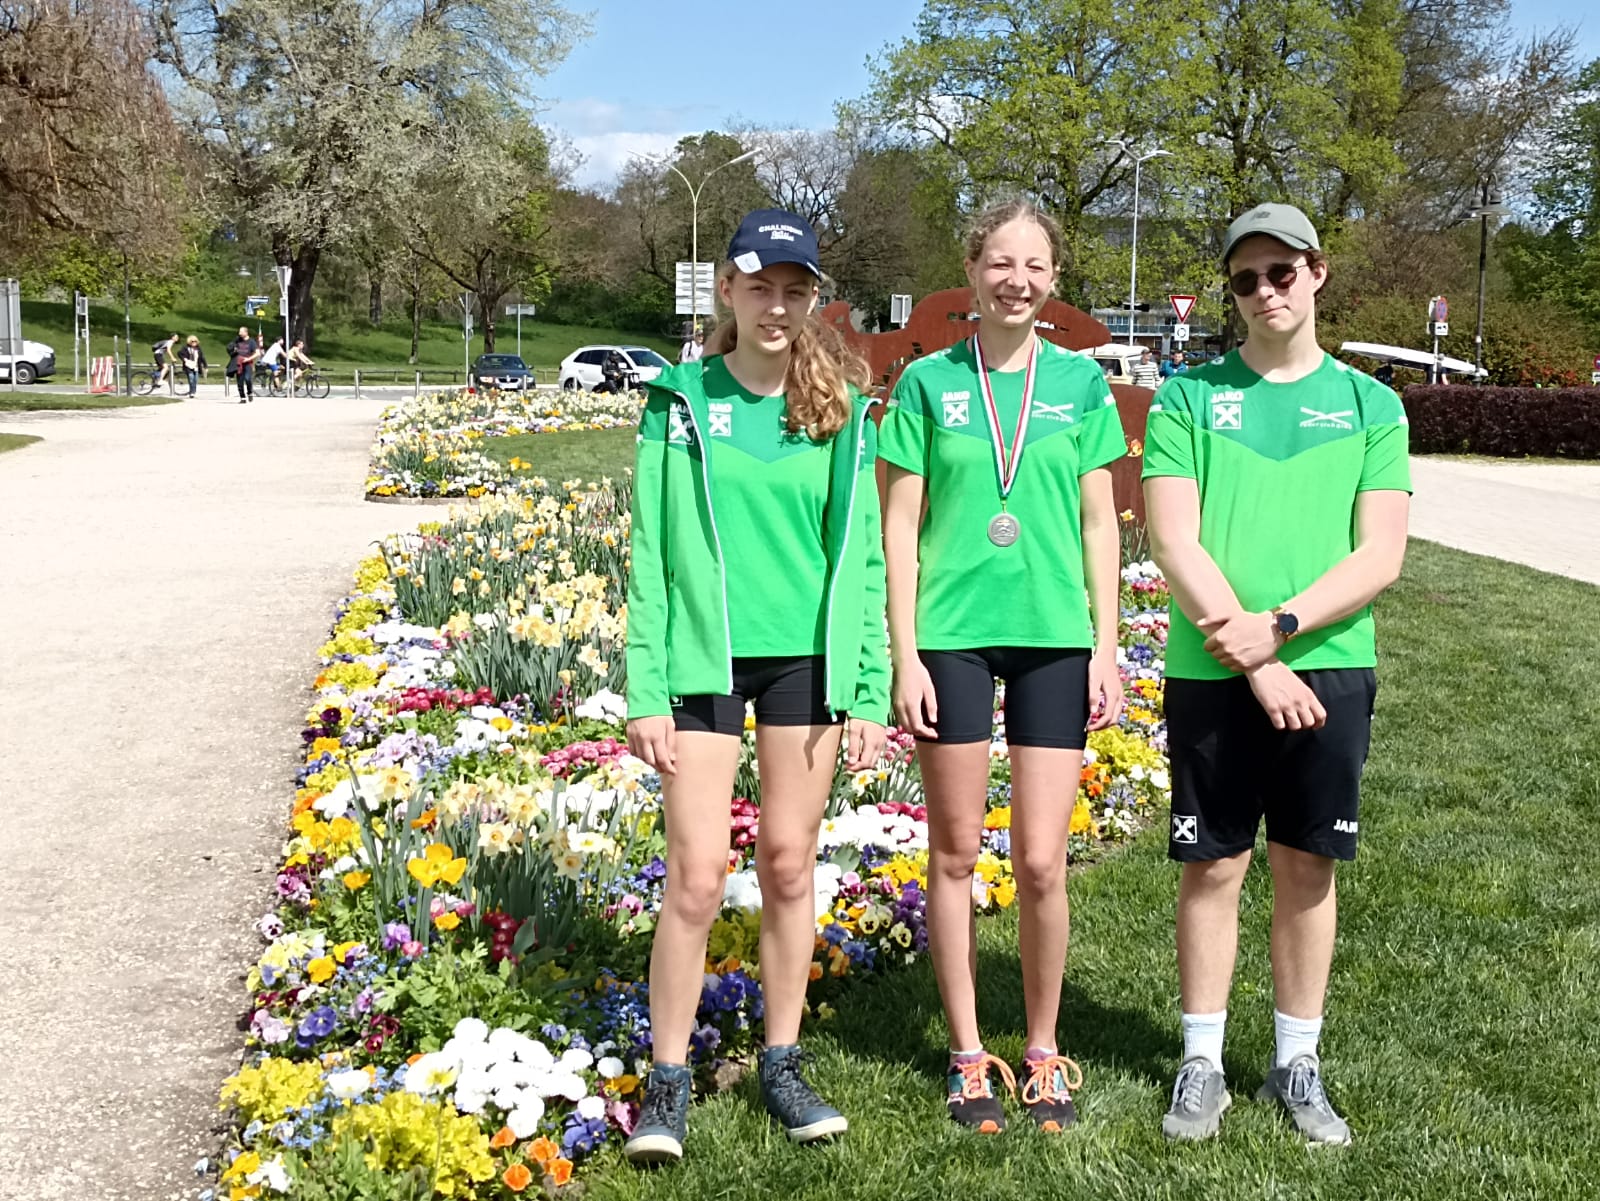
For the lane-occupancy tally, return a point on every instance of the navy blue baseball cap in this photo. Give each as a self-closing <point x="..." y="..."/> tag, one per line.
<point x="769" y="236"/>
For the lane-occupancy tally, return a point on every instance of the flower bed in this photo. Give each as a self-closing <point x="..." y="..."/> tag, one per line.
<point x="451" y="998"/>
<point x="426" y="448"/>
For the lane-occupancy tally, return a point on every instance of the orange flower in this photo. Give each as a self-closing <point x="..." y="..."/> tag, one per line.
<point x="544" y="1151"/>
<point x="502" y="1138"/>
<point x="561" y="1171"/>
<point x="517" y="1177"/>
<point x="816" y="970"/>
<point x="424" y="820"/>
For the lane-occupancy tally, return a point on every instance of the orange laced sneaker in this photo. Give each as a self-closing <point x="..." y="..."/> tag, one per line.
<point x="972" y="1101"/>
<point x="1047" y="1092"/>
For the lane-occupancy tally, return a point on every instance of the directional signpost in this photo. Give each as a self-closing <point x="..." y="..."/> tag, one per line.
<point x="1438" y="327"/>
<point x="1182" y="306"/>
<point x="695" y="287"/>
<point x="519" y="311"/>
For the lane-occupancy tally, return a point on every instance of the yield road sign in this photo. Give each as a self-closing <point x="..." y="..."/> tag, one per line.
<point x="1182" y="306"/>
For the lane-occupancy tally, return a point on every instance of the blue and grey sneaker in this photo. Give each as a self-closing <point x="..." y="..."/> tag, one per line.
<point x="1298" y="1088"/>
<point x="794" y="1104"/>
<point x="663" y="1117"/>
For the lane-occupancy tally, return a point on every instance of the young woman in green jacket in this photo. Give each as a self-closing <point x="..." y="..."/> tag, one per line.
<point x="757" y="576"/>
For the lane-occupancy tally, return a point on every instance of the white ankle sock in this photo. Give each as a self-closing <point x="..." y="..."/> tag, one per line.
<point x="1296" y="1036"/>
<point x="1202" y="1036"/>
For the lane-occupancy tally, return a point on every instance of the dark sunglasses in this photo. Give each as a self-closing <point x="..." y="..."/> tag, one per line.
<point x="1279" y="275"/>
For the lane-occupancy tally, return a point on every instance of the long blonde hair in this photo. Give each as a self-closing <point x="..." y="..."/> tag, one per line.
<point x="822" y="370"/>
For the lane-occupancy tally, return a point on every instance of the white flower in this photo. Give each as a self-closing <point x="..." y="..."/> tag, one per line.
<point x="591" y="1108"/>
<point x="471" y="1030"/>
<point x="1136" y="772"/>
<point x="349" y="1085"/>
<point x="524" y="1120"/>
<point x="610" y="1067"/>
<point x="604" y="705"/>
<point x="742" y="890"/>
<point x="1160" y="779"/>
<point x="574" y="1060"/>
<point x="271" y="1174"/>
<point x="432" y="1074"/>
<point x="470" y="1100"/>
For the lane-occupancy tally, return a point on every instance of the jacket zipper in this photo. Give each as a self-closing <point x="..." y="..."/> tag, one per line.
<point x="711" y="514"/>
<point x="844" y="545"/>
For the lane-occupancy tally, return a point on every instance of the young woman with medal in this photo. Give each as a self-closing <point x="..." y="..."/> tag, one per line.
<point x="1012" y="573"/>
<point x="757" y="576"/>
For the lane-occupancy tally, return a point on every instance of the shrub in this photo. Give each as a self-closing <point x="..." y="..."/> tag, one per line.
<point x="1514" y="422"/>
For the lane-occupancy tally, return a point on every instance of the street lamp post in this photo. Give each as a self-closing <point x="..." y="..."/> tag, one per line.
<point x="1490" y="206"/>
<point x="694" y="226"/>
<point x="1133" y="271"/>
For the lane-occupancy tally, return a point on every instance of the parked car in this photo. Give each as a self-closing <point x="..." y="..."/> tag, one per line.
<point x="581" y="368"/>
<point x="504" y="371"/>
<point x="1116" y="359"/>
<point x="37" y="361"/>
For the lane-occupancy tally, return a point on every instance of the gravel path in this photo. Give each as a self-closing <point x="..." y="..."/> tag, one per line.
<point x="1543" y="515"/>
<point x="166" y="575"/>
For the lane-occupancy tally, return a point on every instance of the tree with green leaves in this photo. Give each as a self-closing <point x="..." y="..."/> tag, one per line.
<point x="311" y="113"/>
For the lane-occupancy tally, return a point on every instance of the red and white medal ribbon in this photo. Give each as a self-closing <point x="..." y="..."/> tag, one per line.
<point x="1006" y="461"/>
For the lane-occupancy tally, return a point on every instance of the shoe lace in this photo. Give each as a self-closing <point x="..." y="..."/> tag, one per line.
<point x="1190" y="1090"/>
<point x="1305" y="1085"/>
<point x="975" y="1076"/>
<point x="1053" y="1078"/>
<point x="788" y="1087"/>
<point x="661" y="1104"/>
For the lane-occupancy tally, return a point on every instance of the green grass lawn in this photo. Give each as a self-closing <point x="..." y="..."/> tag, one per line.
<point x="30" y="400"/>
<point x="1464" y="1017"/>
<point x="340" y="345"/>
<point x="581" y="454"/>
<point x="16" y="441"/>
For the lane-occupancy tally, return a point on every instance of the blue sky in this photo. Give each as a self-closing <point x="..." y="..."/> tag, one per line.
<point x="653" y="71"/>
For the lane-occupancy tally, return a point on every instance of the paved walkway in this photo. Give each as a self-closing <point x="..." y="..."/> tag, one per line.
<point x="166" y="575"/>
<point x="1543" y="515"/>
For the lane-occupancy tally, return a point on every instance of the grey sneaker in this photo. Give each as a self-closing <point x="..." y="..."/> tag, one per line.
<point x="1199" y="1099"/>
<point x="804" y="1116"/>
<point x="1298" y="1088"/>
<point x="663" y="1117"/>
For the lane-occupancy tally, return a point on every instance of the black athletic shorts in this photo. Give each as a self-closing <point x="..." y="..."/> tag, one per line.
<point x="788" y="690"/>
<point x="1231" y="768"/>
<point x="1047" y="694"/>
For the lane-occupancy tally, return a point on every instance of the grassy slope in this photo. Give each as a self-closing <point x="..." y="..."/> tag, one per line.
<point x="1465" y="1006"/>
<point x="29" y="400"/>
<point x="339" y="346"/>
<point x="584" y="454"/>
<point x="16" y="441"/>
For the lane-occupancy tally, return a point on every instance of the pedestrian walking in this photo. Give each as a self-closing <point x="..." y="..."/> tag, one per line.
<point x="1147" y="372"/>
<point x="194" y="362"/>
<point x="1004" y="441"/>
<point x="694" y="347"/>
<point x="242" y="355"/>
<point x="1177" y="364"/>
<point x="757" y="577"/>
<point x="1277" y="487"/>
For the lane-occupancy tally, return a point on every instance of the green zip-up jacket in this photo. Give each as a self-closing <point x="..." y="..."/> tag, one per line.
<point x="678" y="632"/>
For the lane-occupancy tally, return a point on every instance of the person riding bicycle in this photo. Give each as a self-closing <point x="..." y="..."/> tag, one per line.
<point x="614" y="373"/>
<point x="272" y="361"/>
<point x="298" y="361"/>
<point x="163" y="354"/>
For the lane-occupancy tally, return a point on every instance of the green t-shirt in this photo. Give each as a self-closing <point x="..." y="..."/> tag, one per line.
<point x="771" y="489"/>
<point x="970" y="592"/>
<point x="1278" y="468"/>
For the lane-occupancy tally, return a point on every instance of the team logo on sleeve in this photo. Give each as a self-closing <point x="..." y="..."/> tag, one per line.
<point x="1227" y="410"/>
<point x="680" y="426"/>
<point x="721" y="420"/>
<point x="1316" y="419"/>
<point x="1061" y="412"/>
<point x="956" y="407"/>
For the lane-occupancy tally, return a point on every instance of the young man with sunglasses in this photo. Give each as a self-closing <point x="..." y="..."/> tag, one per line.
<point x="1277" y="487"/>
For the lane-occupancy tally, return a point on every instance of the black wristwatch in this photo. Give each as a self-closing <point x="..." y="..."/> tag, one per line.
<point x="1285" y="623"/>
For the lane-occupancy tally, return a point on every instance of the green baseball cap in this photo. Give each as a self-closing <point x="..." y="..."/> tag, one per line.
<point x="1282" y="221"/>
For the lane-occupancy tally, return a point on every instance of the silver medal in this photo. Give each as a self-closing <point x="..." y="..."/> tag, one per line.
<point x="1003" y="529"/>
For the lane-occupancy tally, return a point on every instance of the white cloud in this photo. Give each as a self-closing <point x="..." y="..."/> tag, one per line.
<point x="605" y="155"/>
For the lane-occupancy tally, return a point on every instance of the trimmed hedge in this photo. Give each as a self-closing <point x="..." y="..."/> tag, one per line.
<point x="1512" y="422"/>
